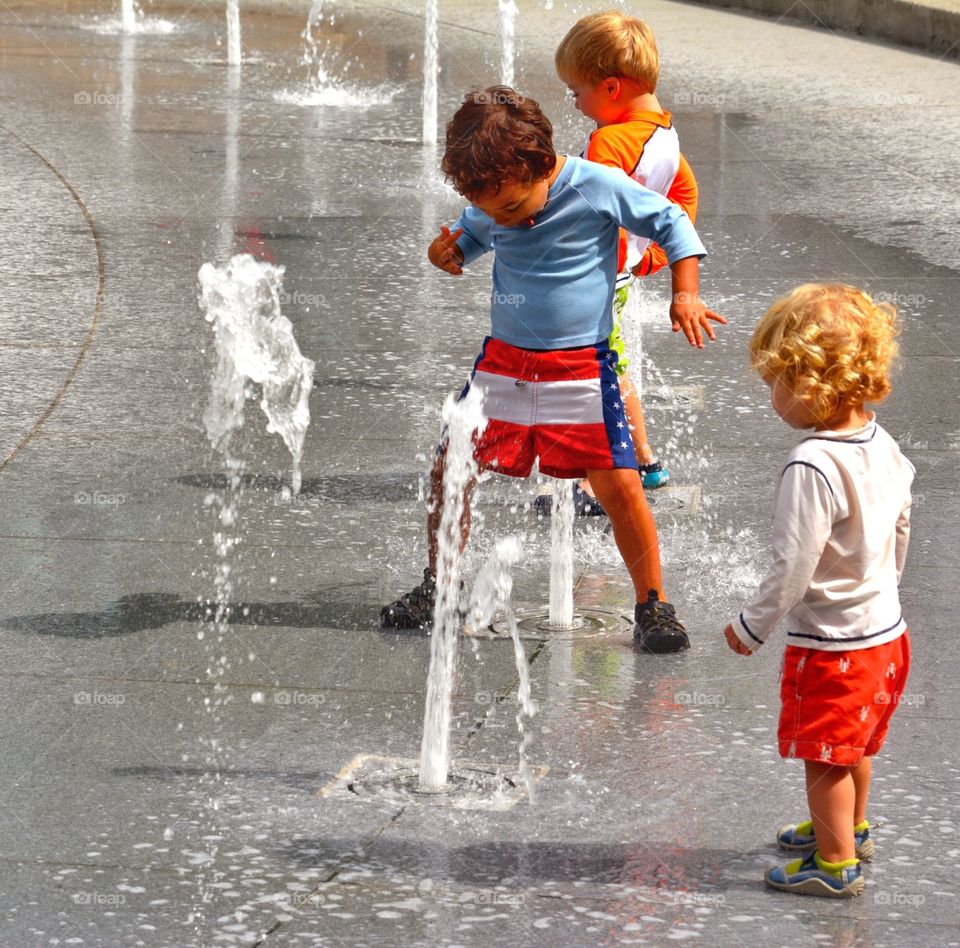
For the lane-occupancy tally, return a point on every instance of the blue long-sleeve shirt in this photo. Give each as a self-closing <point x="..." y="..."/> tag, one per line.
<point x="553" y="283"/>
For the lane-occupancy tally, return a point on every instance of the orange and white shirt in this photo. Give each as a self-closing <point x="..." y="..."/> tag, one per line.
<point x="647" y="148"/>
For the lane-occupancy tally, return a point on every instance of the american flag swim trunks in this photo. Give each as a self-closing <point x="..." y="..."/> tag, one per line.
<point x="561" y="406"/>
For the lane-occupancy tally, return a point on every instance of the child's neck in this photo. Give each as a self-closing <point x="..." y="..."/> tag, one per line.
<point x="848" y="418"/>
<point x="561" y="161"/>
<point x="641" y="102"/>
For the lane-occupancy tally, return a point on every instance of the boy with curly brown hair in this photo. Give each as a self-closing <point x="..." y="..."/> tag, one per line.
<point x="546" y="371"/>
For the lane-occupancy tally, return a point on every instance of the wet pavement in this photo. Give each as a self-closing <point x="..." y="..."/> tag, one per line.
<point x="130" y="161"/>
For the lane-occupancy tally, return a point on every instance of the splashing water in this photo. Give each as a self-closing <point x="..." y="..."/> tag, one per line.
<point x="720" y="561"/>
<point x="213" y="632"/>
<point x="430" y="74"/>
<point x="561" y="556"/>
<point x="131" y="21"/>
<point x="323" y="87"/>
<point x="507" y="30"/>
<point x="314" y="53"/>
<point x="128" y="16"/>
<point x="491" y="592"/>
<point x="462" y="419"/>
<point x="233" y="32"/>
<point x="339" y="96"/>
<point x="494" y="583"/>
<point x="526" y="706"/>
<point x="645" y="306"/>
<point x="254" y="343"/>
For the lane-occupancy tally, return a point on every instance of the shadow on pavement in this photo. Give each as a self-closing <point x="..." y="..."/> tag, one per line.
<point x="141" y="611"/>
<point x="645" y="862"/>
<point x="307" y="781"/>
<point x="333" y="489"/>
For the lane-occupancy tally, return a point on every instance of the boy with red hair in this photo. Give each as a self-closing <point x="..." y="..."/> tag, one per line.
<point x="611" y="65"/>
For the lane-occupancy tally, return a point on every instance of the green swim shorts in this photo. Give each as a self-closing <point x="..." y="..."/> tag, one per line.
<point x="616" y="338"/>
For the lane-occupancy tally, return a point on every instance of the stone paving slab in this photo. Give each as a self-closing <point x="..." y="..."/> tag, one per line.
<point x="123" y="823"/>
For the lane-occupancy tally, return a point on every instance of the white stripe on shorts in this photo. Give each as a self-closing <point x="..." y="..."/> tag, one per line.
<point x="573" y="402"/>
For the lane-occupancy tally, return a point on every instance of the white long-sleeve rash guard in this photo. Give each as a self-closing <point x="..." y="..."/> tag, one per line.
<point x="840" y="538"/>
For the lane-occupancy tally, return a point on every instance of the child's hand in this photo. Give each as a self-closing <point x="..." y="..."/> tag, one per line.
<point x="734" y="642"/>
<point x="444" y="252"/>
<point x="688" y="313"/>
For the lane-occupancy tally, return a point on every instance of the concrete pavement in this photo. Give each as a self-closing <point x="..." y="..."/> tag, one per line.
<point x="163" y="777"/>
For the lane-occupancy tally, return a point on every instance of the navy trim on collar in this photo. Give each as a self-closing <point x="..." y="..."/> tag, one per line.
<point x="812" y="467"/>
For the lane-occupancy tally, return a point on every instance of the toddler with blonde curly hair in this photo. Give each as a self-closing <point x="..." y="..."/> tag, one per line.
<point x="839" y="542"/>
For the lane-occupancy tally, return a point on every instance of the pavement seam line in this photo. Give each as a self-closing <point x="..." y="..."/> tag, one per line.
<point x="343" y="862"/>
<point x="74" y="371"/>
<point x="502" y="695"/>
<point x="371" y="837"/>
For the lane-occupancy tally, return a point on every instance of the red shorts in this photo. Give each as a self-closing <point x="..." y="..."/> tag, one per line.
<point x="836" y="706"/>
<point x="562" y="407"/>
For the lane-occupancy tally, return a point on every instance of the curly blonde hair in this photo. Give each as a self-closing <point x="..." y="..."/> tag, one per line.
<point x="609" y="44"/>
<point x="830" y="344"/>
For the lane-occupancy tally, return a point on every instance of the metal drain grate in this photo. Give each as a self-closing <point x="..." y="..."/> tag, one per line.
<point x="587" y="624"/>
<point x="471" y="785"/>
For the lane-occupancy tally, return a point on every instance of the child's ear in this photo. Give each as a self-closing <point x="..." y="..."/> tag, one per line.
<point x="612" y="86"/>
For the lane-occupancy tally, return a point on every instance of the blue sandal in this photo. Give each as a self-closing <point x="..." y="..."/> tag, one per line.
<point x="800" y="838"/>
<point x="654" y="475"/>
<point x="809" y="876"/>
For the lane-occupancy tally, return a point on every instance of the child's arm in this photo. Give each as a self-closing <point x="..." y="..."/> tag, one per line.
<point x="444" y="252"/>
<point x="608" y="146"/>
<point x="471" y="238"/>
<point x="648" y="214"/>
<point x="685" y="193"/>
<point x="687" y="311"/>
<point x="806" y="507"/>
<point x="903" y="538"/>
<point x="734" y="642"/>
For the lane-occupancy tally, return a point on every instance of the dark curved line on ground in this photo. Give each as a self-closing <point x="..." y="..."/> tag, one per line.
<point x="72" y="374"/>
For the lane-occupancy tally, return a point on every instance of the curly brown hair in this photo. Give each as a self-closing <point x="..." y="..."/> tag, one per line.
<point x="495" y="137"/>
